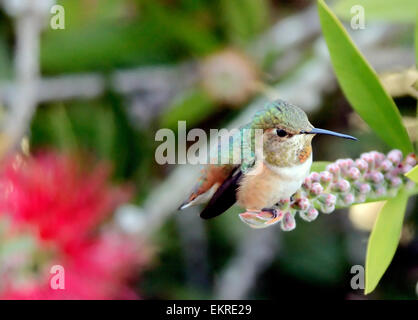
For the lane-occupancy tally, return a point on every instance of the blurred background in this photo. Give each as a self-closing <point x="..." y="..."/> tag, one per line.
<point x="80" y="106"/>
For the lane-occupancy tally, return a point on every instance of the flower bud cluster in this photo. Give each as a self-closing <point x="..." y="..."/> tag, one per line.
<point x="346" y="182"/>
<point x="343" y="183"/>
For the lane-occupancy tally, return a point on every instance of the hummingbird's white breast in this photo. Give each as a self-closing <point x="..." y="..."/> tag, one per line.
<point x="265" y="184"/>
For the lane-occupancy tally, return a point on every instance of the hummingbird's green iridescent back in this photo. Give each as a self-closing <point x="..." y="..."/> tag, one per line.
<point x="240" y="149"/>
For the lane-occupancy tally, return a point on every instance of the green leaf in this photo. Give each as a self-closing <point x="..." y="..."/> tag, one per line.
<point x="361" y="85"/>
<point x="384" y="239"/>
<point x="318" y="166"/>
<point x="416" y="63"/>
<point x="416" y="38"/>
<point x="381" y="10"/>
<point x="413" y="174"/>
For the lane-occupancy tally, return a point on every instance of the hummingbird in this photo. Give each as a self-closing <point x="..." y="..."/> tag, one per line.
<point x="271" y="173"/>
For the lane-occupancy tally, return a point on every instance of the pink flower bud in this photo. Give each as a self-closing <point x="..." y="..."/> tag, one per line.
<point x="314" y="176"/>
<point x="411" y="160"/>
<point x="348" y="199"/>
<point x="309" y="215"/>
<point x="307" y="183"/>
<point x="344" y="164"/>
<point x="395" y="182"/>
<point x="363" y="188"/>
<point x="395" y="156"/>
<point x="327" y="202"/>
<point x="377" y="157"/>
<point x="327" y="209"/>
<point x="334" y="169"/>
<point x="361" y="165"/>
<point x="353" y="173"/>
<point x="288" y="223"/>
<point x="350" y="162"/>
<point x="330" y="200"/>
<point x="368" y="157"/>
<point x="396" y="171"/>
<point x="325" y="177"/>
<point x="316" y="188"/>
<point x="284" y="203"/>
<point x="376" y="177"/>
<point x="303" y="203"/>
<point x="342" y="186"/>
<point x="386" y="165"/>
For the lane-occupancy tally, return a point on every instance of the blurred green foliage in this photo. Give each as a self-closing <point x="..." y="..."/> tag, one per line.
<point x="121" y="33"/>
<point x="243" y="19"/>
<point x="100" y="128"/>
<point x="193" y="106"/>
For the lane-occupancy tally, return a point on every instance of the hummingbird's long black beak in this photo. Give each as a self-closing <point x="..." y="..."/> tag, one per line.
<point x="328" y="132"/>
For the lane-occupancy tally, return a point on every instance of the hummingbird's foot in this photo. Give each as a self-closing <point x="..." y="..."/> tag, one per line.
<point x="261" y="218"/>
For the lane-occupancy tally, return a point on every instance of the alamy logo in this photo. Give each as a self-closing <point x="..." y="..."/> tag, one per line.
<point x="357" y="281"/>
<point x="358" y="19"/>
<point x="58" y="18"/>
<point x="233" y="146"/>
<point x="57" y="281"/>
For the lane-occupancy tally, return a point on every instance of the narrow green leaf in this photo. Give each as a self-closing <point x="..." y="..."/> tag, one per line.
<point x="413" y="174"/>
<point x="384" y="239"/>
<point x="318" y="166"/>
<point x="416" y="63"/>
<point x="416" y="37"/>
<point x="402" y="11"/>
<point x="361" y="85"/>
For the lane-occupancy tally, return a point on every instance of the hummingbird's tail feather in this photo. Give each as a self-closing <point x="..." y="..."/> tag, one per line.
<point x="185" y="205"/>
<point x="224" y="197"/>
<point x="196" y="198"/>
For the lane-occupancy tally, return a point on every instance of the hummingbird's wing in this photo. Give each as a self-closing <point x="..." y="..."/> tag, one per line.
<point x="211" y="178"/>
<point x="224" y="197"/>
<point x="219" y="180"/>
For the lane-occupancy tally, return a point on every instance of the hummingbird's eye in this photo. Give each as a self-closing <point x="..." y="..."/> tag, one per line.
<point x="281" y="133"/>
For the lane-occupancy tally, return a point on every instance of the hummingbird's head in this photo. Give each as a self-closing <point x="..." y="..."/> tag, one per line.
<point x="287" y="133"/>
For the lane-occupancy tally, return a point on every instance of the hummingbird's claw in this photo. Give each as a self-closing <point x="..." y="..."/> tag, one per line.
<point x="262" y="219"/>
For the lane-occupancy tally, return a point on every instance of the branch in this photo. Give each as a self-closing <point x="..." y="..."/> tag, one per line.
<point x="256" y="251"/>
<point x="29" y="17"/>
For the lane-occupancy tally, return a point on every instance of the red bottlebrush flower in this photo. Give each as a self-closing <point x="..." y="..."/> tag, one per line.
<point x="59" y="202"/>
<point x="57" y="196"/>
<point x="97" y="269"/>
<point x="109" y="257"/>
